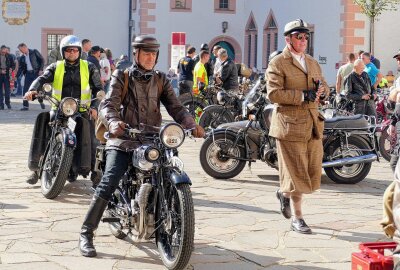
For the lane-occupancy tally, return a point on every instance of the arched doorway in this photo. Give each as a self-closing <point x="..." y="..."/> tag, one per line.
<point x="230" y="44"/>
<point x="228" y="47"/>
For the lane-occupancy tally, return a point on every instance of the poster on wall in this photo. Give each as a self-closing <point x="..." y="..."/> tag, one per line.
<point x="16" y="12"/>
<point x="178" y="46"/>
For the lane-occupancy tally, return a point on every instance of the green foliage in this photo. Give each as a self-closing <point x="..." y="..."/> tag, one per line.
<point x="374" y="8"/>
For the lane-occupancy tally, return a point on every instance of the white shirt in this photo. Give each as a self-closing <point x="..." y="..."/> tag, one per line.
<point x="105" y="63"/>
<point x="301" y="59"/>
<point x="217" y="66"/>
<point x="28" y="62"/>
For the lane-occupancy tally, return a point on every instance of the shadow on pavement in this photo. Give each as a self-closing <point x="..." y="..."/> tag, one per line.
<point x="220" y="204"/>
<point x="149" y="248"/>
<point x="11" y="206"/>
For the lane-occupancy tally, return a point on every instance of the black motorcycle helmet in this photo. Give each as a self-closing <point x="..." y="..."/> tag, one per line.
<point x="204" y="47"/>
<point x="147" y="44"/>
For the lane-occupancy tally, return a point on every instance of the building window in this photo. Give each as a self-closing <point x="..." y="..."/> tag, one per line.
<point x="270" y="39"/>
<point x="51" y="37"/>
<point x="310" y="44"/>
<point x="133" y="5"/>
<point x="180" y="4"/>
<point x="249" y="50"/>
<point x="255" y="50"/>
<point x="53" y="40"/>
<point x="224" y="4"/>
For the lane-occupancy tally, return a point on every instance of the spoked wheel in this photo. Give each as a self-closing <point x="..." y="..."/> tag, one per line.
<point x="54" y="172"/>
<point x="115" y="207"/>
<point x="386" y="144"/>
<point x="194" y="106"/>
<point x="175" y="234"/>
<point x="213" y="159"/>
<point x="349" y="174"/>
<point x="214" y="116"/>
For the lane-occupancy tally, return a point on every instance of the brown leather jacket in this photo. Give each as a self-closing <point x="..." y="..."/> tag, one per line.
<point x="141" y="105"/>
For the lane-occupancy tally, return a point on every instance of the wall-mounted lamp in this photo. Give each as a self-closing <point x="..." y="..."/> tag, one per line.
<point x="224" y="26"/>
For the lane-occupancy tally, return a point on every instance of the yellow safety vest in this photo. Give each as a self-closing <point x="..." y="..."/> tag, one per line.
<point x="86" y="94"/>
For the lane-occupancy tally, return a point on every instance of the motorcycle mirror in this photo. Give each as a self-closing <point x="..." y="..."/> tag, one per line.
<point x="47" y="87"/>
<point x="100" y="95"/>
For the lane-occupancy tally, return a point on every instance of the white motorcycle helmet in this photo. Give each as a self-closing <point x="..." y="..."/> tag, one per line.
<point x="70" y="41"/>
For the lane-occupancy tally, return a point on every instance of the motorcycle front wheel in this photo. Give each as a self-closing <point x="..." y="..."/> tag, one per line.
<point x="55" y="169"/>
<point x="349" y="174"/>
<point x="175" y="234"/>
<point x="214" y="116"/>
<point x="212" y="158"/>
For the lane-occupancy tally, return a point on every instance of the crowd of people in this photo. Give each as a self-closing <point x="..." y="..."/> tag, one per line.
<point x="19" y="70"/>
<point x="198" y="70"/>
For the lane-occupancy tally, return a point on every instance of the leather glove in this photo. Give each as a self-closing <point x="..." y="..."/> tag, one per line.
<point x="309" y="95"/>
<point x="198" y="132"/>
<point x="117" y="128"/>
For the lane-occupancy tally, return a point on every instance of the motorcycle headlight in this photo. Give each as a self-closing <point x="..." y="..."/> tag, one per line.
<point x="69" y="106"/>
<point x="172" y="135"/>
<point x="152" y="154"/>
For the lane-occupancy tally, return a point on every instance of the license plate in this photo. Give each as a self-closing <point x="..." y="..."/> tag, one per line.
<point x="71" y="124"/>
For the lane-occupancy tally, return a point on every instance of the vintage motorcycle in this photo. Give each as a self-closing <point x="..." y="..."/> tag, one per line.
<point x="60" y="153"/>
<point x="349" y="144"/>
<point x="153" y="198"/>
<point x="196" y="104"/>
<point x="227" y="110"/>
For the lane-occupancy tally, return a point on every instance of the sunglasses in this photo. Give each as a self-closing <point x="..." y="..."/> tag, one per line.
<point x="72" y="50"/>
<point x="301" y="36"/>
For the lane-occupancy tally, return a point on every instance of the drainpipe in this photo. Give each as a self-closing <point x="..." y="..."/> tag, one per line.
<point x="130" y="25"/>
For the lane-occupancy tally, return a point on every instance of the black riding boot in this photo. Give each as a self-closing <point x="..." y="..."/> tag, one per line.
<point x="92" y="219"/>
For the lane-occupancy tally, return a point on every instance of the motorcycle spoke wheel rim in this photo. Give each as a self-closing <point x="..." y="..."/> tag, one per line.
<point x="348" y="171"/>
<point x="52" y="165"/>
<point x="214" y="160"/>
<point x="170" y="231"/>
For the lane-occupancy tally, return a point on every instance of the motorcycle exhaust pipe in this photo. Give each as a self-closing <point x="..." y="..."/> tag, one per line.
<point x="350" y="161"/>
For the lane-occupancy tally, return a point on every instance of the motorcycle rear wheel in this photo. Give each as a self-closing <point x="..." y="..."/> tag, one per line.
<point x="55" y="169"/>
<point x="175" y="236"/>
<point x="349" y="174"/>
<point x="214" y="164"/>
<point x="214" y="116"/>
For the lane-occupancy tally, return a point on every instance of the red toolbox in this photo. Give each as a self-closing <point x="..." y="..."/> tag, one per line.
<point x="373" y="257"/>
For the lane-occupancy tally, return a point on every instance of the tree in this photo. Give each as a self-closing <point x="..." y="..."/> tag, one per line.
<point x="374" y="8"/>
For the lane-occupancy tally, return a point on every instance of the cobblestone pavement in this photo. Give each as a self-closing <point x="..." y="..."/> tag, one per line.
<point x="238" y="225"/>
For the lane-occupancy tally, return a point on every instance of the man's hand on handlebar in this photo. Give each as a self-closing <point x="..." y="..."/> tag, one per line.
<point x="30" y="95"/>
<point x="117" y="128"/>
<point x="198" y="131"/>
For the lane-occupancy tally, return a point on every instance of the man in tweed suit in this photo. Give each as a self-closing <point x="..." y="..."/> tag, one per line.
<point x="296" y="85"/>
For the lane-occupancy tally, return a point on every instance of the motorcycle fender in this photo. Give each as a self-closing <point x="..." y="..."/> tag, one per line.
<point x="211" y="106"/>
<point x="69" y="137"/>
<point x="226" y="131"/>
<point x="180" y="178"/>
